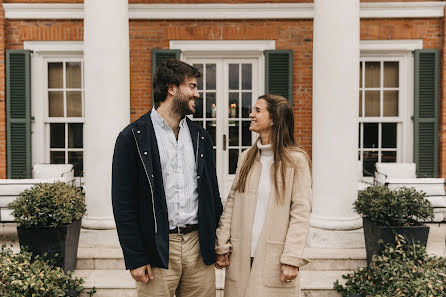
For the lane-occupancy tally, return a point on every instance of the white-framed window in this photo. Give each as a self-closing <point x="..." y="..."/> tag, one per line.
<point x="386" y="103"/>
<point x="64" y="120"/>
<point x="57" y="103"/>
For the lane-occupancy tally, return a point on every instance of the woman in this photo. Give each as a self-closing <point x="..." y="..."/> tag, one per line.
<point x="263" y="229"/>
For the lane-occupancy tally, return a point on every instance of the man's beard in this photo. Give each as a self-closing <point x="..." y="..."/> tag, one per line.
<point x="181" y="105"/>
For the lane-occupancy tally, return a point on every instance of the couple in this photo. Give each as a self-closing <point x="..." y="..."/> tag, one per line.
<point x="167" y="206"/>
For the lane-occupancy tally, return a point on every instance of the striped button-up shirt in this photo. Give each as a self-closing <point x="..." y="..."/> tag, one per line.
<point x="179" y="171"/>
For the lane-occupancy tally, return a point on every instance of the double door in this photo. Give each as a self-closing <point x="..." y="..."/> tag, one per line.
<point x="228" y="90"/>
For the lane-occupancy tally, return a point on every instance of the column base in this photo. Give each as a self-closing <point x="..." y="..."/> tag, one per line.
<point x="322" y="238"/>
<point x="98" y="223"/>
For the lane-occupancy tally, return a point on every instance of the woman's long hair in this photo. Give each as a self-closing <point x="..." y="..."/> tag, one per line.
<point x="282" y="142"/>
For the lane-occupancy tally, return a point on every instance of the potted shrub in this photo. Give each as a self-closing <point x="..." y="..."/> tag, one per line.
<point x="22" y="277"/>
<point x="387" y="212"/>
<point x="49" y="221"/>
<point x="403" y="269"/>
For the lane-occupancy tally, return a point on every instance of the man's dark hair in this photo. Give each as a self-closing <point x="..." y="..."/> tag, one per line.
<point x="170" y="72"/>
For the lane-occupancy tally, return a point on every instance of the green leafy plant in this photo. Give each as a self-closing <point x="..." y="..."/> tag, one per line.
<point x="401" y="270"/>
<point x="48" y="204"/>
<point x="22" y="276"/>
<point x="401" y="207"/>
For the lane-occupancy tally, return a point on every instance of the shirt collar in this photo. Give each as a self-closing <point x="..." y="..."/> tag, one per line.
<point x="160" y="121"/>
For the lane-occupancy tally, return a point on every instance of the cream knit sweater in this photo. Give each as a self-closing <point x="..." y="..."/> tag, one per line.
<point x="264" y="193"/>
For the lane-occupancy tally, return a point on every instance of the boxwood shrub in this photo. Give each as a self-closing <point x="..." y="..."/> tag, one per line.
<point x="48" y="204"/>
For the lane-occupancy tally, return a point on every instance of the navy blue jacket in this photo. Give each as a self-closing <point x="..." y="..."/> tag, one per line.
<point x="139" y="201"/>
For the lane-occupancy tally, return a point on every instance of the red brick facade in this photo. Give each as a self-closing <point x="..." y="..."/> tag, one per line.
<point x="296" y="35"/>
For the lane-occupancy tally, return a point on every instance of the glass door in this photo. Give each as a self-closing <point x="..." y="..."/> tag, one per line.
<point x="227" y="92"/>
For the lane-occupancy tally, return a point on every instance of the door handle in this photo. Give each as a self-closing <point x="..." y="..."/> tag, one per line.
<point x="224" y="142"/>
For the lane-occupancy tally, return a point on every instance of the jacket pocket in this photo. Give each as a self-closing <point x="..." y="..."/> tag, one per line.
<point x="234" y="259"/>
<point x="271" y="269"/>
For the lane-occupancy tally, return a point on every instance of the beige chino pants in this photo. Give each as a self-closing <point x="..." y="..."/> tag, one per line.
<point x="187" y="275"/>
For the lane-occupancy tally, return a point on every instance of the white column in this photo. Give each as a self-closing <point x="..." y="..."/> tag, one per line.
<point x="107" y="101"/>
<point x="335" y="124"/>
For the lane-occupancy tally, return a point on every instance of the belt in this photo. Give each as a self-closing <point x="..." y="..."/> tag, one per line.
<point x="184" y="229"/>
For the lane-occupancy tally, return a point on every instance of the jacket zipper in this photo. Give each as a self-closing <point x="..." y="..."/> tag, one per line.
<point x="196" y="154"/>
<point x="150" y="183"/>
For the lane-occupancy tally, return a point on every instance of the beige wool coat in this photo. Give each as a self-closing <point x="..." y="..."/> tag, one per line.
<point x="282" y="238"/>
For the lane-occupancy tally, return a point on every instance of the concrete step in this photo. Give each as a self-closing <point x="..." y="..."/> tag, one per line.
<point x="110" y="283"/>
<point x="321" y="259"/>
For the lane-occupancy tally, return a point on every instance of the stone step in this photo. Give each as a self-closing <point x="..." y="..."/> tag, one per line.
<point x="321" y="259"/>
<point x="110" y="283"/>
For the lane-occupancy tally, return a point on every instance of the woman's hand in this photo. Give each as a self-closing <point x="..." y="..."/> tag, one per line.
<point x="288" y="273"/>
<point x="222" y="261"/>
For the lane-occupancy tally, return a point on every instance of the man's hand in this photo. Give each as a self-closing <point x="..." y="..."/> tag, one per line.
<point x="142" y="274"/>
<point x="222" y="261"/>
<point x="288" y="273"/>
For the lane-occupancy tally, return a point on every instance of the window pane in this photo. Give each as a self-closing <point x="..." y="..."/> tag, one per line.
<point x="370" y="135"/>
<point x="74" y="75"/>
<point x="360" y="103"/>
<point x="55" y="104"/>
<point x="372" y="104"/>
<point x="210" y="77"/>
<point x="198" y="107"/>
<point x="388" y="157"/>
<point x="388" y="135"/>
<point x="233" y="105"/>
<point x="57" y="135"/>
<point x="74" y="104"/>
<point x="233" y="157"/>
<point x="211" y="106"/>
<point x="246" y="76"/>
<point x="200" y="79"/>
<point x="57" y="157"/>
<point x="246" y="134"/>
<point x="199" y="123"/>
<point x="210" y="127"/>
<point x="233" y="133"/>
<point x="360" y="74"/>
<point x="55" y="75"/>
<point x="76" y="158"/>
<point x="246" y="104"/>
<point x="390" y="104"/>
<point x="233" y="76"/>
<point x="75" y="136"/>
<point x="391" y="73"/>
<point x="372" y="74"/>
<point x="369" y="161"/>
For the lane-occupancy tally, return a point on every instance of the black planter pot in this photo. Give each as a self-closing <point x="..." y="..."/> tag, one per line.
<point x="62" y="240"/>
<point x="373" y="233"/>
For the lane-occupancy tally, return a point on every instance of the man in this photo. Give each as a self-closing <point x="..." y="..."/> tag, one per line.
<point x="166" y="201"/>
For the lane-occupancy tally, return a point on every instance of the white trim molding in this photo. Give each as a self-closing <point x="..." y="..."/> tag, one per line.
<point x="222" y="45"/>
<point x="400" y="45"/>
<point x="54" y="46"/>
<point x="402" y="10"/>
<point x="219" y="11"/>
<point x="43" y="11"/>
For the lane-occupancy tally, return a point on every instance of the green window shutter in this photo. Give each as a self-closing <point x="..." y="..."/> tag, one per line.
<point x="18" y="114"/>
<point x="279" y="73"/>
<point x="161" y="55"/>
<point x="426" y="112"/>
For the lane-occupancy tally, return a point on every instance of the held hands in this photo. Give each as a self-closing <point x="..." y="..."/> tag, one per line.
<point x="222" y="261"/>
<point x="288" y="273"/>
<point x="142" y="274"/>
